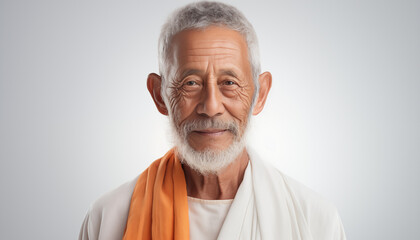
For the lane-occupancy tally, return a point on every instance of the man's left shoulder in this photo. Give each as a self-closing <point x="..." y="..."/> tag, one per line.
<point x="310" y="201"/>
<point x="320" y="213"/>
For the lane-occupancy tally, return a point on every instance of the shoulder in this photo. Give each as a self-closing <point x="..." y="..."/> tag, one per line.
<point x="310" y="201"/>
<point x="115" y="199"/>
<point x="312" y="204"/>
<point x="107" y="216"/>
<point x="320" y="214"/>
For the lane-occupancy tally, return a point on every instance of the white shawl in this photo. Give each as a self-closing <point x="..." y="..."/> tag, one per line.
<point x="268" y="205"/>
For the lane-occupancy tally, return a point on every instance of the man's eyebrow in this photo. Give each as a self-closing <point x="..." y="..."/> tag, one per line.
<point x="188" y="72"/>
<point x="229" y="73"/>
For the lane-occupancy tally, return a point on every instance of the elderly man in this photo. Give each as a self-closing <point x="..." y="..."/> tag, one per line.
<point x="210" y="185"/>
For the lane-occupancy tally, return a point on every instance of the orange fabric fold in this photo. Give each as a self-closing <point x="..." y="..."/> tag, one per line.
<point x="159" y="205"/>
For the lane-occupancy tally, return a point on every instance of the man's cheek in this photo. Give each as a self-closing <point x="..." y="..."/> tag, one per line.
<point x="183" y="108"/>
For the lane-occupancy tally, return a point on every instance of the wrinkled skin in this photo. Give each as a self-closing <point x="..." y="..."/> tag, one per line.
<point x="213" y="79"/>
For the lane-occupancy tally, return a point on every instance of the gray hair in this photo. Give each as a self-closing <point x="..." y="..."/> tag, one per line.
<point x="200" y="15"/>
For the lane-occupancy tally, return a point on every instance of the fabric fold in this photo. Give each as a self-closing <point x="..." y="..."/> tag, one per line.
<point x="278" y="212"/>
<point x="159" y="206"/>
<point x="268" y="205"/>
<point x="264" y="208"/>
<point x="241" y="221"/>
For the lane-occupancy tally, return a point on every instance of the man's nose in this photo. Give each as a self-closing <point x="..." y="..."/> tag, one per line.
<point x="211" y="103"/>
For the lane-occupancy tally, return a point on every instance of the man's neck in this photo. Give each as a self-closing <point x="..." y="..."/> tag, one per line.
<point x="223" y="185"/>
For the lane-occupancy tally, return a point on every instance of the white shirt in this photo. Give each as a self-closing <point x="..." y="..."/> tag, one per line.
<point x="206" y="217"/>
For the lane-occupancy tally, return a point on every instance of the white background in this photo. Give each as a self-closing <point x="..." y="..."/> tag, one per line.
<point x="342" y="117"/>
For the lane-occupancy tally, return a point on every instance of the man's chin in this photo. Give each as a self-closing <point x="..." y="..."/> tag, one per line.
<point x="209" y="148"/>
<point x="207" y="154"/>
<point x="209" y="160"/>
<point x="209" y="145"/>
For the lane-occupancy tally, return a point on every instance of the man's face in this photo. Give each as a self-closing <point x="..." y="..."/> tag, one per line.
<point x="213" y="82"/>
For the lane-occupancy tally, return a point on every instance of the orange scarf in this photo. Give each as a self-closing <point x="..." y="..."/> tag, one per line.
<point x="159" y="205"/>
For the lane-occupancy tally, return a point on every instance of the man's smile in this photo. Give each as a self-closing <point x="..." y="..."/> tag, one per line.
<point x="211" y="132"/>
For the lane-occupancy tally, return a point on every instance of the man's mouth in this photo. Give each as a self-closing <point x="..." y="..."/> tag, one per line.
<point x="211" y="131"/>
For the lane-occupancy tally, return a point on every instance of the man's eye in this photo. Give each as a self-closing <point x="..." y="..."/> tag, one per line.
<point x="228" y="82"/>
<point x="191" y="83"/>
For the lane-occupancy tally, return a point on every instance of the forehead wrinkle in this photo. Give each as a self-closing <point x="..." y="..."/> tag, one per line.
<point x="205" y="59"/>
<point x="209" y="52"/>
<point x="213" y="48"/>
<point x="199" y="54"/>
<point x="221" y="67"/>
<point x="218" y="42"/>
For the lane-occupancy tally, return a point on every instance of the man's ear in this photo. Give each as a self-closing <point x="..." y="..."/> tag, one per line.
<point x="265" y="84"/>
<point x="154" y="84"/>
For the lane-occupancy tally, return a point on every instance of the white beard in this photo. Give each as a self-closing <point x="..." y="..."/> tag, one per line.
<point x="207" y="161"/>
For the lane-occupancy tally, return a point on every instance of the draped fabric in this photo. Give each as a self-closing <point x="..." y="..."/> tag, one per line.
<point x="268" y="205"/>
<point x="159" y="206"/>
<point x="264" y="209"/>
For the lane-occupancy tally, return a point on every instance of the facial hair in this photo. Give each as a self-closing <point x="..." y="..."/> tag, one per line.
<point x="207" y="161"/>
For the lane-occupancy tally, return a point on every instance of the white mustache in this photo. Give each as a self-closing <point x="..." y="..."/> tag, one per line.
<point x="202" y="124"/>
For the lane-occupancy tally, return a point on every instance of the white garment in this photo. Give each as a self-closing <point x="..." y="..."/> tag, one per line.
<point x="206" y="217"/>
<point x="271" y="205"/>
<point x="268" y="205"/>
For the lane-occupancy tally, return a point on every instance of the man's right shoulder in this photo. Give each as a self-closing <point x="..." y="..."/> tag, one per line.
<point x="107" y="216"/>
<point x="116" y="198"/>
